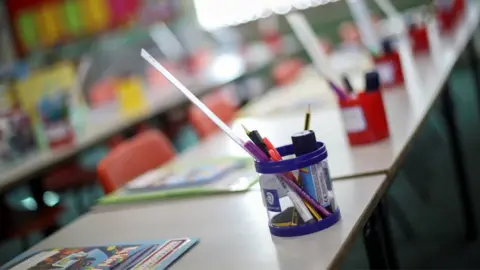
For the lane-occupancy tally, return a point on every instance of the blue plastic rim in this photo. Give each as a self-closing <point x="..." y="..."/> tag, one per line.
<point x="287" y="165"/>
<point x="306" y="228"/>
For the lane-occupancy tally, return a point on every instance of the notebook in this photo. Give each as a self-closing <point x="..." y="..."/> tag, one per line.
<point x="143" y="255"/>
<point x="224" y="175"/>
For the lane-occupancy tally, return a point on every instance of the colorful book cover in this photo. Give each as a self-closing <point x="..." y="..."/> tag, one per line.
<point x="148" y="255"/>
<point x="215" y="176"/>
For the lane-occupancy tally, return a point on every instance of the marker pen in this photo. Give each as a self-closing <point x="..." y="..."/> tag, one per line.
<point x="372" y="81"/>
<point x="347" y="85"/>
<point x="313" y="179"/>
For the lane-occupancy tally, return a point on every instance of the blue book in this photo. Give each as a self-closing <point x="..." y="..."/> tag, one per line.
<point x="143" y="255"/>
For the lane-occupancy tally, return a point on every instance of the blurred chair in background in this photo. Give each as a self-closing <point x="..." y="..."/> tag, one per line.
<point x="221" y="104"/>
<point x="146" y="151"/>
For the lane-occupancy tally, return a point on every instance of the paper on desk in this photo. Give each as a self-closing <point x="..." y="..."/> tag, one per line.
<point x="185" y="180"/>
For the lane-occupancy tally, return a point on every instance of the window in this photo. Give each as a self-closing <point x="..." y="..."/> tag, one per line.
<point x="213" y="14"/>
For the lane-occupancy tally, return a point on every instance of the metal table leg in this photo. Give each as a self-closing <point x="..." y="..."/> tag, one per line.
<point x="4" y="213"/>
<point x="37" y="190"/>
<point x="473" y="61"/>
<point x="459" y="165"/>
<point x="378" y="239"/>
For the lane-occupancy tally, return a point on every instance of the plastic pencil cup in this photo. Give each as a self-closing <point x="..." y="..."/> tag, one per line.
<point x="449" y="13"/>
<point x="419" y="39"/>
<point x="364" y="118"/>
<point x="296" y="208"/>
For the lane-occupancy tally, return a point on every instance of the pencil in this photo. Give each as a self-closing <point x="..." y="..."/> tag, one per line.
<point x="348" y="86"/>
<point x="256" y="139"/>
<point x="307" y="119"/>
<point x="275" y="157"/>
<point x="246" y="130"/>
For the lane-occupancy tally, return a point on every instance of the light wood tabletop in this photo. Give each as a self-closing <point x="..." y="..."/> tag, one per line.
<point x="233" y="229"/>
<point x="406" y="108"/>
<point x="425" y="77"/>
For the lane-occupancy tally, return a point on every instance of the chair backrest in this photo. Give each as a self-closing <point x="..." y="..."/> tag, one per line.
<point x="131" y="158"/>
<point x="220" y="104"/>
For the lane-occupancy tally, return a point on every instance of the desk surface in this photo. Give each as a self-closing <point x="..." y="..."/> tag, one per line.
<point x="406" y="109"/>
<point x="232" y="229"/>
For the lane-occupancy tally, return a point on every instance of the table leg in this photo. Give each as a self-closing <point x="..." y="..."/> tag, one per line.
<point x="4" y="212"/>
<point x="37" y="190"/>
<point x="473" y="61"/>
<point x="378" y="239"/>
<point x="459" y="164"/>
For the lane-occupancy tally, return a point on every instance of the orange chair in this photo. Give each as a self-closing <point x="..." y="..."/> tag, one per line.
<point x="220" y="104"/>
<point x="287" y="71"/>
<point x="145" y="151"/>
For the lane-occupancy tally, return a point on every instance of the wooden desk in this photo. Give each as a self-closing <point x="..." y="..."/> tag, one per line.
<point x="406" y="109"/>
<point x="232" y="229"/>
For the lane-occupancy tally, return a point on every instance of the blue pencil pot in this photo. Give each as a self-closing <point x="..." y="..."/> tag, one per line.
<point x="298" y="192"/>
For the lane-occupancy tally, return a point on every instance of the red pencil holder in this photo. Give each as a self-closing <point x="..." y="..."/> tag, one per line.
<point x="419" y="39"/>
<point x="364" y="118"/>
<point x="389" y="67"/>
<point x="449" y="16"/>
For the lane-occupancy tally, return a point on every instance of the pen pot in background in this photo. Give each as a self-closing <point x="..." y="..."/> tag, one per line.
<point x="389" y="65"/>
<point x="390" y="68"/>
<point x="298" y="208"/>
<point x="419" y="39"/>
<point x="449" y="13"/>
<point x="364" y="118"/>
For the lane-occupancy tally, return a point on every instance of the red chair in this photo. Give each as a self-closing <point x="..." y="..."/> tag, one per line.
<point x="145" y="151"/>
<point x="220" y="104"/>
<point x="287" y="71"/>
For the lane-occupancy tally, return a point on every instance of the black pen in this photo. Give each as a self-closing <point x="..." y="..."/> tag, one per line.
<point x="347" y="85"/>
<point x="257" y="140"/>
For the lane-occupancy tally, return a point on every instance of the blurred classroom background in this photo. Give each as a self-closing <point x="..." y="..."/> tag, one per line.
<point x="68" y="65"/>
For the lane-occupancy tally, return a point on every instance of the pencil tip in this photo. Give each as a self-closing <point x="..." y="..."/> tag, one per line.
<point x="244" y="128"/>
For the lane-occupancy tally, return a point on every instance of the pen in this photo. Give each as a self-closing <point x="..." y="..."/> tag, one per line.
<point x="277" y="157"/>
<point x="307" y="119"/>
<point x="270" y="146"/>
<point x="256" y="139"/>
<point x="340" y="93"/>
<point x="294" y="192"/>
<point x="217" y="121"/>
<point x="372" y="81"/>
<point x="348" y="86"/>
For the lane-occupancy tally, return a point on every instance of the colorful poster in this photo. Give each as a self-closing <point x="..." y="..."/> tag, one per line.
<point x="55" y="79"/>
<point x="150" y="255"/>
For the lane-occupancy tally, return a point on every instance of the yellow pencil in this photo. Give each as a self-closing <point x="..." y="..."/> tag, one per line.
<point x="315" y="214"/>
<point x="307" y="119"/>
<point x="246" y="130"/>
